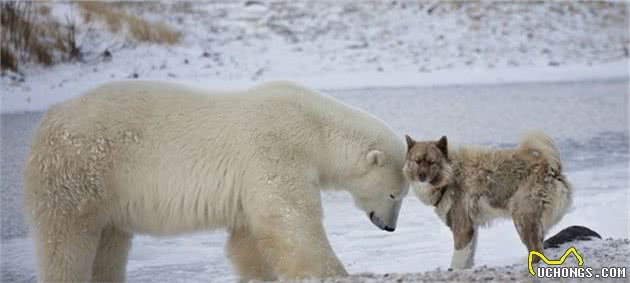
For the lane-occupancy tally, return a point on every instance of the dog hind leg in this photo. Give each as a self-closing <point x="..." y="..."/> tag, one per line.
<point x="527" y="216"/>
<point x="530" y="231"/>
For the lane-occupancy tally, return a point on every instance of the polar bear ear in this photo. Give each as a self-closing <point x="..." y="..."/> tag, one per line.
<point x="376" y="157"/>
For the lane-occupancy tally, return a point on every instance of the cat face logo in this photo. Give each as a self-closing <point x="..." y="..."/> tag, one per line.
<point x="560" y="261"/>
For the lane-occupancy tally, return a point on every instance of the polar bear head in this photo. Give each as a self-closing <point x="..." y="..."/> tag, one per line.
<point x="378" y="188"/>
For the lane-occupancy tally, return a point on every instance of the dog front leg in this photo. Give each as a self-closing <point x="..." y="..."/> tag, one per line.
<point x="465" y="238"/>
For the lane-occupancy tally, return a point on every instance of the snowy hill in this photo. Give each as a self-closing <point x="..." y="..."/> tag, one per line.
<point x="343" y="44"/>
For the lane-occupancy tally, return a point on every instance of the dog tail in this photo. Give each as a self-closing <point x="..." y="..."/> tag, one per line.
<point x="536" y="145"/>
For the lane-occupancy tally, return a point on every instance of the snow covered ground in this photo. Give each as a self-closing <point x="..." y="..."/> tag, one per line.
<point x="597" y="254"/>
<point x="343" y="44"/>
<point x="589" y="120"/>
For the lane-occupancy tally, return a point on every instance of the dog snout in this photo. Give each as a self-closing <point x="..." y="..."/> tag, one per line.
<point x="422" y="177"/>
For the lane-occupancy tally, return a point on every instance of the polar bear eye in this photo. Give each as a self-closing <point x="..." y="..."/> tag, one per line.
<point x="392" y="196"/>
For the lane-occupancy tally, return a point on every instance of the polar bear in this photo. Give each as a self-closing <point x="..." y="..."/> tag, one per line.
<point x="162" y="158"/>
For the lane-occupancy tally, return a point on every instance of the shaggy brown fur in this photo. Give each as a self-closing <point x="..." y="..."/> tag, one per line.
<point x="470" y="187"/>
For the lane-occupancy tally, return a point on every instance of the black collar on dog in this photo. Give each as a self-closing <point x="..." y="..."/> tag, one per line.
<point x="441" y="192"/>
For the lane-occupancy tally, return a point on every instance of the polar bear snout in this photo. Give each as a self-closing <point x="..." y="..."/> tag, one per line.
<point x="386" y="222"/>
<point x="380" y="224"/>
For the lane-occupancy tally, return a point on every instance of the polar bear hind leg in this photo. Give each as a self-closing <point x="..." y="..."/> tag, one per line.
<point x="65" y="251"/>
<point x="111" y="256"/>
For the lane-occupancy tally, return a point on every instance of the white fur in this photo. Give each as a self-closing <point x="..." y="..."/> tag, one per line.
<point x="428" y="195"/>
<point x="464" y="258"/>
<point x="553" y="214"/>
<point x="165" y="159"/>
<point x="424" y="192"/>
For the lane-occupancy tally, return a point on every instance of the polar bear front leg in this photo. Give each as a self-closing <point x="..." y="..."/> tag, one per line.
<point x="298" y="249"/>
<point x="286" y="221"/>
<point x="245" y="256"/>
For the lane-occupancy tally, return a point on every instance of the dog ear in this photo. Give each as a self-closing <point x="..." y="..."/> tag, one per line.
<point x="442" y="145"/>
<point x="410" y="142"/>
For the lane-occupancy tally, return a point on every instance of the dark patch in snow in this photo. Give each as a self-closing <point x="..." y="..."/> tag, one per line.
<point x="571" y="234"/>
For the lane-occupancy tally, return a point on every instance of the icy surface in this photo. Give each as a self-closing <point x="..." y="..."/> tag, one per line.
<point x="589" y="121"/>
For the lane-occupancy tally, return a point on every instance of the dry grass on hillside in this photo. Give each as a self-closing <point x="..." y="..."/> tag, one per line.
<point x="27" y="36"/>
<point x="139" y="29"/>
<point x="30" y="32"/>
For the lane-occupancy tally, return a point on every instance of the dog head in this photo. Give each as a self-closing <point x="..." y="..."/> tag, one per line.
<point x="427" y="162"/>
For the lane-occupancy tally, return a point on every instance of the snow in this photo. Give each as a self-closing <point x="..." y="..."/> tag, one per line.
<point x="39" y="96"/>
<point x="596" y="254"/>
<point x="344" y="45"/>
<point x="480" y="73"/>
<point x="589" y="120"/>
